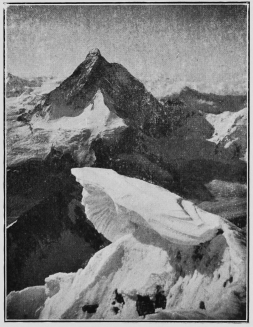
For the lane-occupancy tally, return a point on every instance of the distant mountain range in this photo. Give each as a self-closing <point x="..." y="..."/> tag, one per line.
<point x="208" y="102"/>
<point x="15" y="85"/>
<point x="162" y="86"/>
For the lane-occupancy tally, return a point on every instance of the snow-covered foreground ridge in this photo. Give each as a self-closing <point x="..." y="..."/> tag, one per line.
<point x="159" y="242"/>
<point x="119" y="205"/>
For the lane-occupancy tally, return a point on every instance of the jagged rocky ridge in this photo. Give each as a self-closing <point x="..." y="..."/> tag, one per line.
<point x="102" y="116"/>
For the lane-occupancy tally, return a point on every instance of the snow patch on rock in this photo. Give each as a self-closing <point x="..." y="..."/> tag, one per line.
<point x="226" y="124"/>
<point x="230" y="131"/>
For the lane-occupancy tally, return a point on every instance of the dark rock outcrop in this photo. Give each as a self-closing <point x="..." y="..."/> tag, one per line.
<point x="144" y="305"/>
<point x="52" y="232"/>
<point x="90" y="308"/>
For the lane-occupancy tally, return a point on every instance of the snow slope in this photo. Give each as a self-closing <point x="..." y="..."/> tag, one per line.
<point x="159" y="241"/>
<point x="118" y="205"/>
<point x="34" y="140"/>
<point x="230" y="128"/>
<point x="96" y="117"/>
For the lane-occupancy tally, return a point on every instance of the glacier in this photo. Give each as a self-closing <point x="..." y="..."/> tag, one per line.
<point x="74" y="134"/>
<point x="159" y="240"/>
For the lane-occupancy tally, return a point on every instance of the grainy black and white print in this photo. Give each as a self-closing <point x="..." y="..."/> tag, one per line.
<point x="126" y="162"/>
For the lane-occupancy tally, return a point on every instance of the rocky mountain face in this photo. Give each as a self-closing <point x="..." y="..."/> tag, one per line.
<point x="123" y="94"/>
<point x="52" y="232"/>
<point x="101" y="116"/>
<point x="212" y="103"/>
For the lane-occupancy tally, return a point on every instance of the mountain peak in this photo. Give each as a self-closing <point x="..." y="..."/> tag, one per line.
<point x="94" y="53"/>
<point x="123" y="94"/>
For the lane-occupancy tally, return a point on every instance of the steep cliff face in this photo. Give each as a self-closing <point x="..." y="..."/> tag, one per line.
<point x="49" y="231"/>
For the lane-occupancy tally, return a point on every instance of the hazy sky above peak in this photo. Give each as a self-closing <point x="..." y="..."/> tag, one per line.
<point x="206" y="43"/>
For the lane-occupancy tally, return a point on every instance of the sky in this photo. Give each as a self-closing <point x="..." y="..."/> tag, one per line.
<point x="201" y="43"/>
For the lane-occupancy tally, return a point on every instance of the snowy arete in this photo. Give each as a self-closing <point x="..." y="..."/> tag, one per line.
<point x="168" y="260"/>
